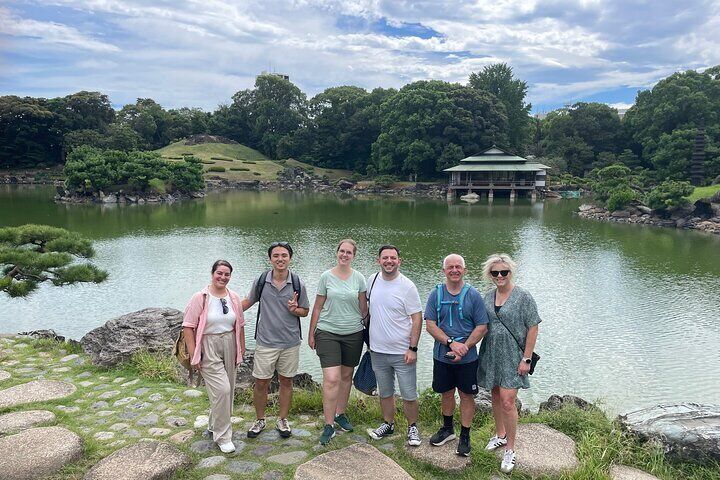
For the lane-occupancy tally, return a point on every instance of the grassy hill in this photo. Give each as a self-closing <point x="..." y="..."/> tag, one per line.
<point x="240" y="162"/>
<point x="704" y="192"/>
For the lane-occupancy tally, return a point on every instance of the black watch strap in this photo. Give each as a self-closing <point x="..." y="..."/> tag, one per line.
<point x="413" y="349"/>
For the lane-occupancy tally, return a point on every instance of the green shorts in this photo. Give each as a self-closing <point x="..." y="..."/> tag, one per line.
<point x="335" y="350"/>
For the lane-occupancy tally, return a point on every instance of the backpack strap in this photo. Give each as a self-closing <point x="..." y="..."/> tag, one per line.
<point x="369" y="292"/>
<point x="297" y="288"/>
<point x="461" y="300"/>
<point x="259" y="286"/>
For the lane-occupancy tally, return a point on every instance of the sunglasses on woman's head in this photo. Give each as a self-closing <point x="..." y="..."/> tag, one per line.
<point x="502" y="273"/>
<point x="223" y="302"/>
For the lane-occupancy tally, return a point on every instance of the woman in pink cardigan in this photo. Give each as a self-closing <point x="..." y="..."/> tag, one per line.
<point x="214" y="330"/>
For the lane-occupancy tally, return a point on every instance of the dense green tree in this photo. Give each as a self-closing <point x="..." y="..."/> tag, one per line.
<point x="435" y="113"/>
<point x="30" y="133"/>
<point x="84" y="111"/>
<point x="33" y="254"/>
<point x="149" y="119"/>
<point x="450" y="156"/>
<point x="579" y="134"/>
<point x="184" y="122"/>
<point x="499" y="80"/>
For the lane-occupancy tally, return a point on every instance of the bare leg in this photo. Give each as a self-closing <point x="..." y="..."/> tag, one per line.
<point x="388" y="408"/>
<point x="497" y="412"/>
<point x="260" y="394"/>
<point x="286" y="391"/>
<point x="410" y="407"/>
<point x="346" y="374"/>
<point x="331" y="387"/>
<point x="448" y="403"/>
<point x="510" y="415"/>
<point x="467" y="409"/>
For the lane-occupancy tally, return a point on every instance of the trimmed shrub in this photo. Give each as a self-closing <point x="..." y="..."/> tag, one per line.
<point x="216" y="169"/>
<point x="669" y="195"/>
<point x="239" y="169"/>
<point x="222" y="159"/>
<point x="257" y="173"/>
<point x="156" y="185"/>
<point x="385" y="180"/>
<point x="621" y="198"/>
<point x="207" y="162"/>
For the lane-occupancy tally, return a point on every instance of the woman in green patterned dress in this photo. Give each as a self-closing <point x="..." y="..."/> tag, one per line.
<point x="504" y="364"/>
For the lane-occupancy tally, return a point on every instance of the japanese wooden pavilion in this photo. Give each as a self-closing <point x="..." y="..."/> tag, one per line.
<point x="496" y="171"/>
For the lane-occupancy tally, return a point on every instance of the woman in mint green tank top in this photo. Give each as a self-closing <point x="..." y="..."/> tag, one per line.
<point x="336" y="334"/>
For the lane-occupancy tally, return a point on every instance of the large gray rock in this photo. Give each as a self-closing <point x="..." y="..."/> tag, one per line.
<point x="687" y="431"/>
<point x="558" y="402"/>
<point x="35" y="391"/>
<point x="358" y="461"/>
<point x="483" y="402"/>
<point x="442" y="457"/>
<point x="152" y="329"/>
<point x="4" y="375"/>
<point x="16" y="421"/>
<point x="142" y="461"/>
<point x="623" y="472"/>
<point x="542" y="450"/>
<point x="38" y="452"/>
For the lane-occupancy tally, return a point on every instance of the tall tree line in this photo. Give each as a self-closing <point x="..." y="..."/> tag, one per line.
<point x="414" y="131"/>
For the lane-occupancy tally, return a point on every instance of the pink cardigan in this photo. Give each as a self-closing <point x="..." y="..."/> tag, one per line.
<point x="196" y="317"/>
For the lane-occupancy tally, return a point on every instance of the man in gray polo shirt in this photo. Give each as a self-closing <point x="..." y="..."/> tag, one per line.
<point x="283" y="300"/>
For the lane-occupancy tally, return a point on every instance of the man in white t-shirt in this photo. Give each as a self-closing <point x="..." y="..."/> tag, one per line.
<point x="395" y="326"/>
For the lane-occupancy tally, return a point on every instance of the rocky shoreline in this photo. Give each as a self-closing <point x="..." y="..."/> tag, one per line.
<point x="64" y="196"/>
<point x="703" y="216"/>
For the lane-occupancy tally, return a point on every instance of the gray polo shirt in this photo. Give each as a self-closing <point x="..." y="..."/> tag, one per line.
<point x="278" y="328"/>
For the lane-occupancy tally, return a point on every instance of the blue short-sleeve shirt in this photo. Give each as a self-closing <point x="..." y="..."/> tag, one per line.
<point x="474" y="314"/>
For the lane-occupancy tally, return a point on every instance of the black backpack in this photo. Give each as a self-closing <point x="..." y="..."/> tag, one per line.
<point x="260" y="285"/>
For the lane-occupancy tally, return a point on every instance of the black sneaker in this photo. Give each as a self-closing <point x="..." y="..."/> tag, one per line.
<point x="384" y="430"/>
<point x="442" y="436"/>
<point x="463" y="447"/>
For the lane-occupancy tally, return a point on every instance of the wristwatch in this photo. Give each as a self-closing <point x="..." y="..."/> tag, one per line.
<point x="449" y="341"/>
<point x="412" y="349"/>
<point x="527" y="360"/>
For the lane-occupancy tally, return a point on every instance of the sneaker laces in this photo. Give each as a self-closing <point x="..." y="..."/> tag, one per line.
<point x="509" y="457"/>
<point x="284" y="424"/>
<point x="413" y="432"/>
<point x="258" y="425"/>
<point x="383" y="429"/>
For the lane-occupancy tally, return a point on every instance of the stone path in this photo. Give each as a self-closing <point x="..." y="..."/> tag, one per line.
<point x="13" y="422"/>
<point x="4" y="375"/>
<point x="35" y="391"/>
<point x="38" y="452"/>
<point x="542" y="450"/>
<point x="142" y="461"/>
<point x="359" y="461"/>
<point x="443" y="457"/>
<point x="622" y="472"/>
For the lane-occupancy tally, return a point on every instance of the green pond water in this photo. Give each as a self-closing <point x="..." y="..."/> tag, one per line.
<point x="630" y="313"/>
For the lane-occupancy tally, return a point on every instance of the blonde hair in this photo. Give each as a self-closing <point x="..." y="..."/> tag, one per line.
<point x="498" y="258"/>
<point x="350" y="241"/>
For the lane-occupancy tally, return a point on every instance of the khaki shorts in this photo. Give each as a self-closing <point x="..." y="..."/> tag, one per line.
<point x="285" y="360"/>
<point x="335" y="350"/>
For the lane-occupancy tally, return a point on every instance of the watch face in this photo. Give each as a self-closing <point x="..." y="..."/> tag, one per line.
<point x="527" y="360"/>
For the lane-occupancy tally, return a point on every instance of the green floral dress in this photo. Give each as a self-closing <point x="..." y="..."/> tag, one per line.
<point x="499" y="352"/>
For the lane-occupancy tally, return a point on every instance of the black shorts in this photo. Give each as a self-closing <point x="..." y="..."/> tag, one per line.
<point x="448" y="376"/>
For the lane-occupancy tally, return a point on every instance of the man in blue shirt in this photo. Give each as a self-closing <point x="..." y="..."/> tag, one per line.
<point x="455" y="316"/>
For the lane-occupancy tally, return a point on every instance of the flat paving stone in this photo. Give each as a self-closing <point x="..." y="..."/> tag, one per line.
<point x="104" y="413"/>
<point x="99" y="405"/>
<point x="38" y="452"/>
<point x="141" y="461"/>
<point x="193" y="393"/>
<point x="269" y="436"/>
<point x="288" y="458"/>
<point x="218" y="476"/>
<point x="545" y="451"/>
<point x="176" y="421"/>
<point x="131" y="382"/>
<point x="155" y="397"/>
<point x="623" y="472"/>
<point x="443" y="457"/>
<point x="182" y="437"/>
<point x="128" y="415"/>
<point x="262" y="450"/>
<point x="118" y="427"/>
<point x="148" y="420"/>
<point x="124" y="401"/>
<point x="202" y="446"/>
<point x="211" y="462"/>
<point x="16" y="421"/>
<point x="299" y="432"/>
<point x="35" y="391"/>
<point x="66" y="409"/>
<point x="4" y="375"/>
<point x="159" y="432"/>
<point x="358" y="461"/>
<point x="102" y="436"/>
<point x="109" y="394"/>
<point x="201" y="421"/>
<point x="272" y="475"/>
<point x="141" y="391"/>
<point x="61" y="369"/>
<point x="84" y="375"/>
<point x="85" y="383"/>
<point x="69" y="358"/>
<point x="239" y="466"/>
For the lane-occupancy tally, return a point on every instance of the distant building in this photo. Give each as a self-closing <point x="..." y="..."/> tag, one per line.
<point x="274" y="74"/>
<point x="497" y="171"/>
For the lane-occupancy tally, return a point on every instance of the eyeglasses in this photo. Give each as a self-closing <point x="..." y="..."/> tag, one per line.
<point x="502" y="273"/>
<point x="223" y="302"/>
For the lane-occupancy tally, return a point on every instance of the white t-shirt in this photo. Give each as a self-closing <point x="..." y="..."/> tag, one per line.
<point x="217" y="321"/>
<point x="391" y="304"/>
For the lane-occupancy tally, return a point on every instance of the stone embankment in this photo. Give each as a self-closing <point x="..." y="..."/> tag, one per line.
<point x="33" y="177"/>
<point x="65" y="196"/>
<point x="707" y="220"/>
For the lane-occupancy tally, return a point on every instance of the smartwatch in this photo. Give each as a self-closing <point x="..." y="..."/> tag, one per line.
<point x="413" y="349"/>
<point x="527" y="360"/>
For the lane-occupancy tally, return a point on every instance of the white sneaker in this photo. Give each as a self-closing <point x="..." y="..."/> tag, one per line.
<point x="413" y="436"/>
<point x="508" y="461"/>
<point x="496" y="442"/>
<point x="227" y="447"/>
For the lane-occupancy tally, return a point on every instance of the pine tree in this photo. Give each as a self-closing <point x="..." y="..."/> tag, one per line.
<point x="32" y="254"/>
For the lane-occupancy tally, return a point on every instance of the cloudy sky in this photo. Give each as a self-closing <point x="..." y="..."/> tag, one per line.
<point x="198" y="53"/>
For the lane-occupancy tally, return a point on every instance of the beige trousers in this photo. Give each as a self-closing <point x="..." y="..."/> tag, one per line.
<point x="218" y="370"/>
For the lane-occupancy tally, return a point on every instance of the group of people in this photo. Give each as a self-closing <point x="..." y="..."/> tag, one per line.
<point x="387" y="306"/>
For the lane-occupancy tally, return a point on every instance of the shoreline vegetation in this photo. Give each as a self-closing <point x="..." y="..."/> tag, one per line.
<point x="142" y="400"/>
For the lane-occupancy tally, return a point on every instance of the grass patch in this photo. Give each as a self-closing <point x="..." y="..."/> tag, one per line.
<point x="155" y="366"/>
<point x="216" y="169"/>
<point x="703" y="192"/>
<point x="250" y="162"/>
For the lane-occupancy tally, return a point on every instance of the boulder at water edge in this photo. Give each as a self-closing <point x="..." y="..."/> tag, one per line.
<point x="358" y="461"/>
<point x="558" y="402"/>
<point x="142" y="461"/>
<point x="152" y="329"/>
<point x="38" y="452"/>
<point x="687" y="431"/>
